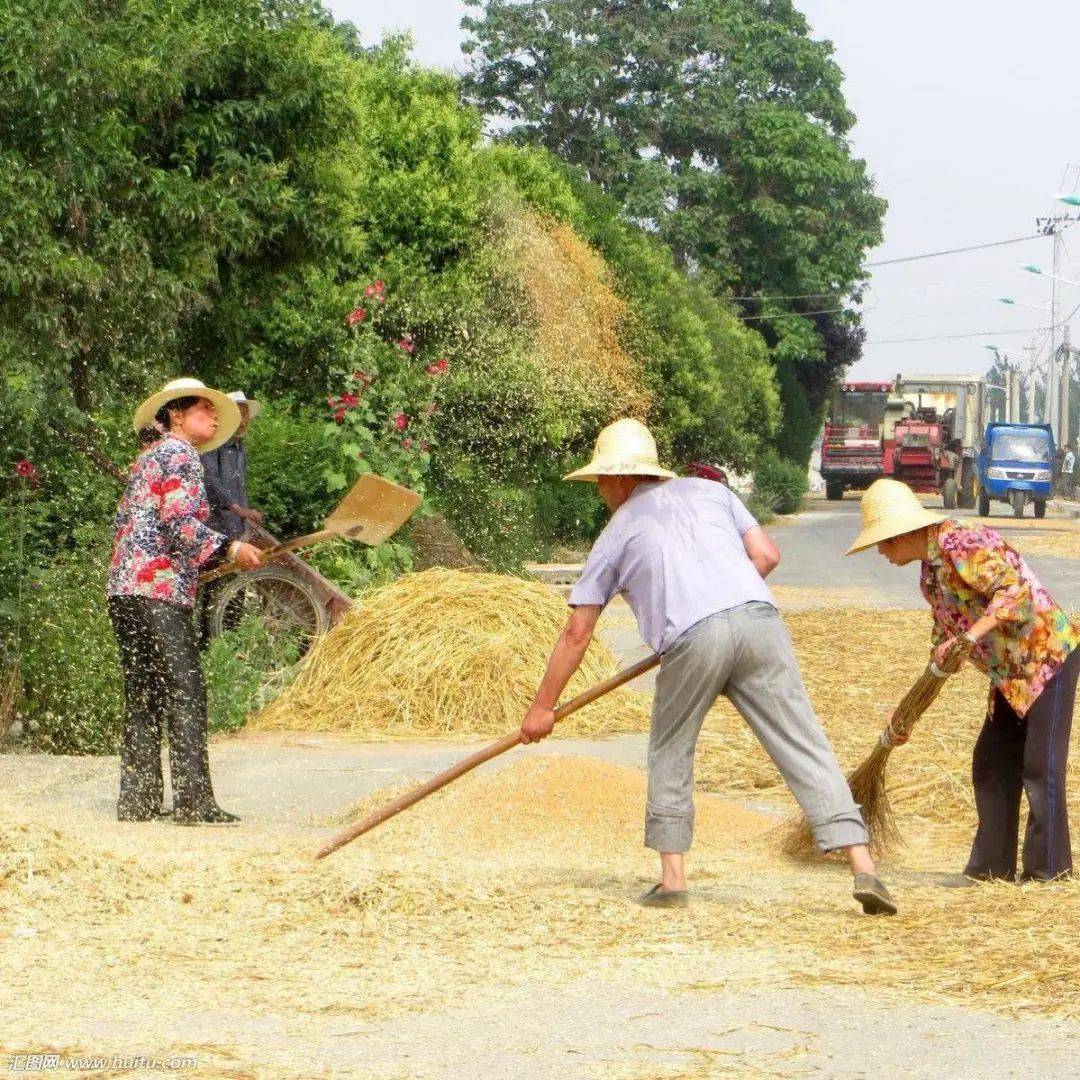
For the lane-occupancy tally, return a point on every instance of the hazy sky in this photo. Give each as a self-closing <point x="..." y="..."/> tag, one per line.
<point x="969" y="113"/>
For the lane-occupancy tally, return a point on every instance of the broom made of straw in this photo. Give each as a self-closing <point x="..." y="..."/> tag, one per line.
<point x="867" y="782"/>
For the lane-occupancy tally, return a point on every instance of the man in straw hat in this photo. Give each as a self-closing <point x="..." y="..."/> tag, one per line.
<point x="983" y="593"/>
<point x="162" y="541"/>
<point x="691" y="561"/>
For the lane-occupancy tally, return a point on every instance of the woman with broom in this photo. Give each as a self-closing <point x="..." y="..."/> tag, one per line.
<point x="984" y="595"/>
<point x="161" y="543"/>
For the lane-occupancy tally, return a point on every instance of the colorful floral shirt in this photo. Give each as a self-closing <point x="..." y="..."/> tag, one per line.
<point x="161" y="534"/>
<point x="970" y="572"/>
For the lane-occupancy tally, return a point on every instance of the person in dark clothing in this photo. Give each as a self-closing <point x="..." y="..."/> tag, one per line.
<point x="225" y="470"/>
<point x="225" y="473"/>
<point x="161" y="543"/>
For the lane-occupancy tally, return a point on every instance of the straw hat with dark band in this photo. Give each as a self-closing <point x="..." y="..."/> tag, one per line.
<point x="625" y="448"/>
<point x="228" y="413"/>
<point x="890" y="509"/>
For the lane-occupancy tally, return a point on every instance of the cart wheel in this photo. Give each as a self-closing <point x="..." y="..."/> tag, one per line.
<point x="950" y="492"/>
<point x="834" y="491"/>
<point x="288" y="606"/>
<point x="1018" y="499"/>
<point x="984" y="503"/>
<point x="1040" y="508"/>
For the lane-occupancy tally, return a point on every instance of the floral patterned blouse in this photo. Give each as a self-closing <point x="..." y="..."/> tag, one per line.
<point x="970" y="572"/>
<point x="162" y="538"/>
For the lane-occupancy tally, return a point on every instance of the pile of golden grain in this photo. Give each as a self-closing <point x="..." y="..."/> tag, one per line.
<point x="445" y="652"/>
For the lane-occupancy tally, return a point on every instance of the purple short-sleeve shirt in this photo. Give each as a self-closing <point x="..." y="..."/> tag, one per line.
<point x="674" y="550"/>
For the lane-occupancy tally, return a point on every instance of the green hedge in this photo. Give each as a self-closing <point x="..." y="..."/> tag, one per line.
<point x="779" y="484"/>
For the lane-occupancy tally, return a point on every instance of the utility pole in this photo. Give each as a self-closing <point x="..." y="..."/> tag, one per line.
<point x="1053" y="227"/>
<point x="1066" y="378"/>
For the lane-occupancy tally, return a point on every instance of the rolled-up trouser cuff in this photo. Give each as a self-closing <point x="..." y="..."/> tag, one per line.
<point x="840" y="831"/>
<point x="669" y="833"/>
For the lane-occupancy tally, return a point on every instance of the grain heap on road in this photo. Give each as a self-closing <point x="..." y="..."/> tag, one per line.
<point x="448" y="653"/>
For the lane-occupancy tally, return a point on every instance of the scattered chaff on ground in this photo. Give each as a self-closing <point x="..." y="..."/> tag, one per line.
<point x="1060" y="544"/>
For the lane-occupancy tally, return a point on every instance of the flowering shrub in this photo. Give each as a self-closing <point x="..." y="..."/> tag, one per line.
<point x="382" y="408"/>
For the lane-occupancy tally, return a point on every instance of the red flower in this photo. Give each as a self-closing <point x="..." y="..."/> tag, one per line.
<point x="425" y="446"/>
<point x="339" y="416"/>
<point x="380" y="286"/>
<point x="350" y="401"/>
<point x="355" y="316"/>
<point x="407" y="443"/>
<point x="381" y="298"/>
<point x="369" y="292"/>
<point x="406" y="344"/>
<point x="401" y="421"/>
<point x="441" y="365"/>
<point x="331" y="402"/>
<point x="26" y="469"/>
<point x="431" y="369"/>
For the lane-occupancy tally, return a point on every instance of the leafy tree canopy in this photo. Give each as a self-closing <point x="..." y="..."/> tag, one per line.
<point x="720" y="124"/>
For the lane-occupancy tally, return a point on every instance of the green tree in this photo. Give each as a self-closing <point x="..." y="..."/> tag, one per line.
<point x="721" y="125"/>
<point x="149" y="152"/>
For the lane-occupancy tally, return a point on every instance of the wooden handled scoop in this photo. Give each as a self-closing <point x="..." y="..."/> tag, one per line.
<point x="372" y="510"/>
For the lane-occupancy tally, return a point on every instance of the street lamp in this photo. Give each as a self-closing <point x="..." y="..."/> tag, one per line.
<point x="1019" y="303"/>
<point x="1031" y="268"/>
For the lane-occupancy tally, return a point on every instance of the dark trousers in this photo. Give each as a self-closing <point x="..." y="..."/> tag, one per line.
<point x="1012" y="756"/>
<point x="163" y="693"/>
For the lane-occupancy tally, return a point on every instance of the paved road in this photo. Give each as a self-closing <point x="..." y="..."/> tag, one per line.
<point x="813" y="543"/>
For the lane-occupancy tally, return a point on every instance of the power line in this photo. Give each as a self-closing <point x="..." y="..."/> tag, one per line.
<point x="894" y="262"/>
<point x="792" y="314"/>
<point x="980" y="333"/>
<point x="956" y="337"/>
<point x="952" y="251"/>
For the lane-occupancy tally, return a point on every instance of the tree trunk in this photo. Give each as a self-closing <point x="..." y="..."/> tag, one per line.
<point x="80" y="382"/>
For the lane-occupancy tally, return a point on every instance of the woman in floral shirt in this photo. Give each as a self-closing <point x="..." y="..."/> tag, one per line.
<point x="982" y="592"/>
<point x="161" y="543"/>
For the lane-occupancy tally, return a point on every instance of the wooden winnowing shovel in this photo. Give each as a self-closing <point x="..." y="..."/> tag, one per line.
<point x="508" y="742"/>
<point x="372" y="510"/>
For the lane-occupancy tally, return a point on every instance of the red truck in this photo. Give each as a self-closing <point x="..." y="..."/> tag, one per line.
<point x="852" y="453"/>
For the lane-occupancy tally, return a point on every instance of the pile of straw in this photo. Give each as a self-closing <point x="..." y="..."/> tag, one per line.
<point x="445" y="652"/>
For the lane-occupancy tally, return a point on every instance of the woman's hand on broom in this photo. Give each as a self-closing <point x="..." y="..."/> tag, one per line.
<point x="896" y="739"/>
<point x="942" y="652"/>
<point x="538" y="723"/>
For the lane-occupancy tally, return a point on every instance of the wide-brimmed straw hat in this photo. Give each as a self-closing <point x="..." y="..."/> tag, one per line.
<point x="253" y="407"/>
<point x="228" y="413"/>
<point x="890" y="508"/>
<point x="625" y="448"/>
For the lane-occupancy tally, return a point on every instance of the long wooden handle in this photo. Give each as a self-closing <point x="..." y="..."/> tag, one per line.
<point x="508" y="742"/>
<point x="277" y="549"/>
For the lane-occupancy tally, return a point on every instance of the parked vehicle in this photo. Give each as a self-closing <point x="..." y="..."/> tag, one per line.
<point x="1016" y="466"/>
<point x="932" y="432"/>
<point x="851" y="448"/>
<point x="924" y="455"/>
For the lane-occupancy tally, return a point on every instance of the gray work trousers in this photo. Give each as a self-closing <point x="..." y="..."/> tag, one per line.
<point x="746" y="655"/>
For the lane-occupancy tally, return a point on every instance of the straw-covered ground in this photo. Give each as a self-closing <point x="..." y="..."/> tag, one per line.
<point x="525" y="878"/>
